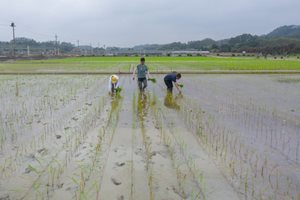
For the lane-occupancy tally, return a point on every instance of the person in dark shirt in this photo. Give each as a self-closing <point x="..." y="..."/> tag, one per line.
<point x="170" y="78"/>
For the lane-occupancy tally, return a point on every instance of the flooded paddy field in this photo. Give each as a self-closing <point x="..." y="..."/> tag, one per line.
<point x="225" y="137"/>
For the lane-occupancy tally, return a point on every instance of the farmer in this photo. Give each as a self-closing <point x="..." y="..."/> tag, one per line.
<point x="142" y="75"/>
<point x="170" y="78"/>
<point x="113" y="83"/>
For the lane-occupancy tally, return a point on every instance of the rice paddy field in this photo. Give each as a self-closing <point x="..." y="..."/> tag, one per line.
<point x="124" y="64"/>
<point x="227" y="136"/>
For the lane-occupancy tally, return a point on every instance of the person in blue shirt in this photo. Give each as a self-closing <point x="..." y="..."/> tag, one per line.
<point x="170" y="78"/>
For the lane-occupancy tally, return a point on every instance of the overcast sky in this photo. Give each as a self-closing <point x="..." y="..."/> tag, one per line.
<point x="127" y="23"/>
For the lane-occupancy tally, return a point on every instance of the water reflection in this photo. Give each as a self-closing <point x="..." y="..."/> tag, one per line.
<point x="115" y="101"/>
<point x="142" y="106"/>
<point x="171" y="102"/>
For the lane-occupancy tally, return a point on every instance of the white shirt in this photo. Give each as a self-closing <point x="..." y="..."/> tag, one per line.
<point x="110" y="82"/>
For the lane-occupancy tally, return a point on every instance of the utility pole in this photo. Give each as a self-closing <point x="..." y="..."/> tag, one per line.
<point x="91" y="48"/>
<point x="13" y="25"/>
<point x="78" y="46"/>
<point x="28" y="51"/>
<point x="56" y="48"/>
<point x="98" y="49"/>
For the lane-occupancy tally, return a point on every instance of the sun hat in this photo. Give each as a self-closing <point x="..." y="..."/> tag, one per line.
<point x="114" y="79"/>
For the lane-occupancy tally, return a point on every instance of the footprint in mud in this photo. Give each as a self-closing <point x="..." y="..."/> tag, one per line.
<point x="115" y="181"/>
<point x="121" y="197"/>
<point x="4" y="197"/>
<point x="59" y="186"/>
<point x="88" y="104"/>
<point x="30" y="157"/>
<point x="15" y="147"/>
<point x="42" y="151"/>
<point x="29" y="169"/>
<point x="163" y="153"/>
<point x="120" y="164"/>
<point x="153" y="154"/>
<point x="77" y="155"/>
<point x="138" y="151"/>
<point x="75" y="118"/>
<point x="68" y="127"/>
<point x="180" y="193"/>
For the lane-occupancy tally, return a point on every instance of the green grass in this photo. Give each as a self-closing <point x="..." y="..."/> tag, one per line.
<point x="289" y="80"/>
<point x="154" y="63"/>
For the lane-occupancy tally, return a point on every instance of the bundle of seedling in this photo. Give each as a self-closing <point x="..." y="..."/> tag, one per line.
<point x="153" y="80"/>
<point x="180" y="85"/>
<point x="118" y="90"/>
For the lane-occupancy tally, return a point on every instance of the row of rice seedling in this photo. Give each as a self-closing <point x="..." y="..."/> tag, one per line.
<point x="140" y="111"/>
<point x="35" y="140"/>
<point x="250" y="171"/>
<point x="191" y="183"/>
<point x="48" y="153"/>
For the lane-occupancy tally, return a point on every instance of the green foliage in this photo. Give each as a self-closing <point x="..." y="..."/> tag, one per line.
<point x="114" y="64"/>
<point x="118" y="90"/>
<point x="153" y="80"/>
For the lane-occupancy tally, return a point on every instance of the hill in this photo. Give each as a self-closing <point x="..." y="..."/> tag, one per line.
<point x="283" y="40"/>
<point x="292" y="31"/>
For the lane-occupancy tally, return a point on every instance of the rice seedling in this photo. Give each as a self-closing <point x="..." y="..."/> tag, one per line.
<point x="153" y="80"/>
<point x="118" y="90"/>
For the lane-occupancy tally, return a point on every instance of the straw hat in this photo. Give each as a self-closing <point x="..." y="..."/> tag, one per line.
<point x="114" y="79"/>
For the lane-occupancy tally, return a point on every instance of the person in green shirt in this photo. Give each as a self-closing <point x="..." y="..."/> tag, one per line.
<point x="142" y="75"/>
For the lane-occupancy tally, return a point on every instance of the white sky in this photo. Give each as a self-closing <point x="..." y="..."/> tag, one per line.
<point x="127" y="23"/>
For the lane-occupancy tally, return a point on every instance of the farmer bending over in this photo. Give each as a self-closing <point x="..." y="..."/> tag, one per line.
<point x="142" y="74"/>
<point x="113" y="83"/>
<point x="170" y="78"/>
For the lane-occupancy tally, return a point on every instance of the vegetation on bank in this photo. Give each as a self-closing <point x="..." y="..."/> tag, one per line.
<point x="154" y="63"/>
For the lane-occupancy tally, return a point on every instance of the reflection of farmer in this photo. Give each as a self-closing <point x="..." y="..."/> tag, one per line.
<point x="115" y="101"/>
<point x="142" y="74"/>
<point x="170" y="102"/>
<point x="113" y="83"/>
<point x="142" y="105"/>
<point x="170" y="78"/>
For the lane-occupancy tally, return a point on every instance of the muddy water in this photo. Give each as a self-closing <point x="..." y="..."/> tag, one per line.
<point x="263" y="111"/>
<point x="140" y="146"/>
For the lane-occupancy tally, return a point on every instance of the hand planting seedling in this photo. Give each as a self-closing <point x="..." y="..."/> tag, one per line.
<point x="118" y="90"/>
<point x="153" y="80"/>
